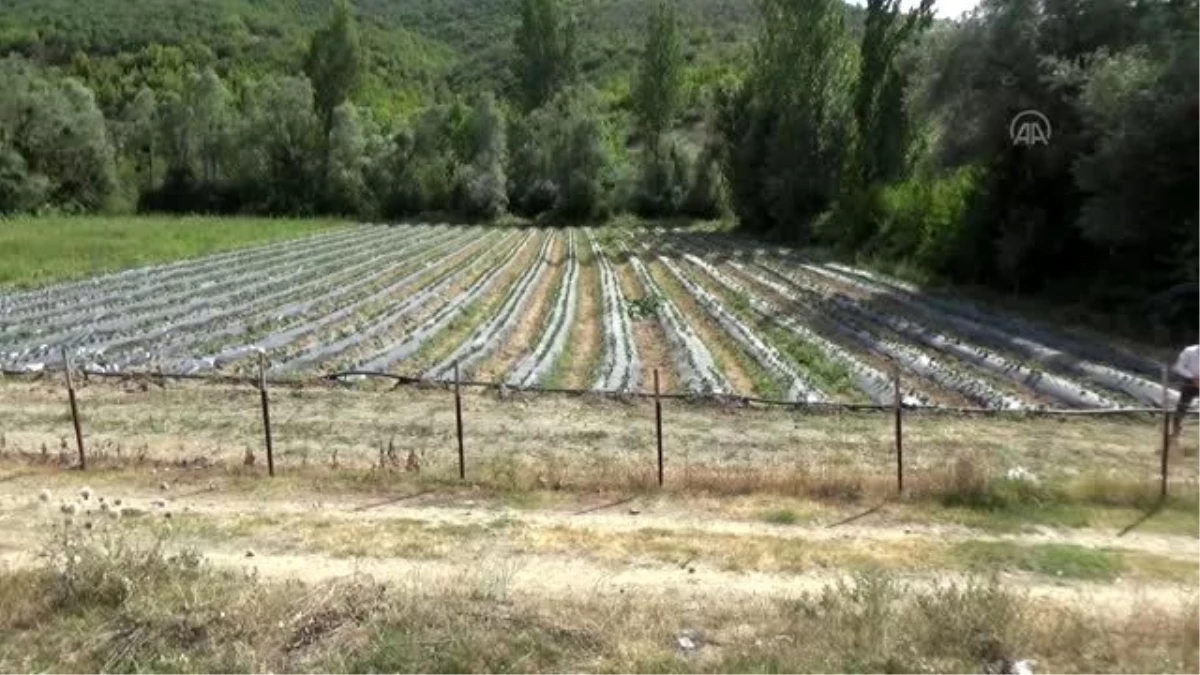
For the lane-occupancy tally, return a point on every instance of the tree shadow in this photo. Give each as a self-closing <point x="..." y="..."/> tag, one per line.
<point x="858" y="516"/>
<point x="1150" y="513"/>
<point x="394" y="500"/>
<point x="592" y="509"/>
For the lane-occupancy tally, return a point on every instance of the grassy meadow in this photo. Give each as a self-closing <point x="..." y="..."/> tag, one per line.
<point x="39" y="251"/>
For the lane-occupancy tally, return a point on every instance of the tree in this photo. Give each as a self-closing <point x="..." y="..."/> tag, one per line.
<point x="333" y="63"/>
<point x="208" y="100"/>
<point x="482" y="184"/>
<point x="279" y="147"/>
<point x="706" y="196"/>
<point x="1139" y="192"/>
<point x="659" y="77"/>
<point x="582" y="164"/>
<point x="785" y="128"/>
<point x="881" y="129"/>
<point x="174" y="122"/>
<point x="545" y="46"/>
<point x="54" y="144"/>
<point x="663" y="185"/>
<point x="345" y="183"/>
<point x="20" y="191"/>
<point x="141" y="132"/>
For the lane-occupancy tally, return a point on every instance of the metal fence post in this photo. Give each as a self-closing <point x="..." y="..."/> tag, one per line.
<point x="74" y="409"/>
<point x="1166" y="428"/>
<point x="462" y="458"/>
<point x="899" y="415"/>
<point x="658" y="427"/>
<point x="266" y="411"/>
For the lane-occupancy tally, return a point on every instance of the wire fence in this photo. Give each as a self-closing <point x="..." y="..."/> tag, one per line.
<point x="899" y="445"/>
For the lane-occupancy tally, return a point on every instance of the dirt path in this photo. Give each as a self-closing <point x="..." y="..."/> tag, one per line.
<point x="21" y="506"/>
<point x="427" y="540"/>
<point x="549" y="577"/>
<point x="584" y="340"/>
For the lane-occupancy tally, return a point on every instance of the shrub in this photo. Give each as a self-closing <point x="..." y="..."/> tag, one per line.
<point x="924" y="219"/>
<point x="20" y="190"/>
<point x="707" y="196"/>
<point x="663" y="184"/>
<point x="100" y="563"/>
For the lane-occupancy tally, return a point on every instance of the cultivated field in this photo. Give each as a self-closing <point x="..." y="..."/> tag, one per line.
<point x="592" y="309"/>
<point x="777" y="542"/>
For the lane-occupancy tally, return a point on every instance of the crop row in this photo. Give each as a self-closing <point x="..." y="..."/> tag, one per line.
<point x="488" y="337"/>
<point x="537" y="365"/>
<point x="620" y="368"/>
<point x="433" y="298"/>
<point x="250" y="290"/>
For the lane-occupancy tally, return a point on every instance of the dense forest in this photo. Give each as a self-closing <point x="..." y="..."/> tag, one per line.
<point x="875" y="131"/>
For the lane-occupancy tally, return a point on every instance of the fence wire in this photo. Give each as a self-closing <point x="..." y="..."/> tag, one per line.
<point x="558" y="438"/>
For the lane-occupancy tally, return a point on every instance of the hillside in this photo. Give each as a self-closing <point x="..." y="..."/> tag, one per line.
<point x="417" y="50"/>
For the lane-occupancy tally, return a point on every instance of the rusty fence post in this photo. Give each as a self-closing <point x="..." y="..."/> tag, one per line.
<point x="74" y="409"/>
<point x="462" y="458"/>
<point x="1166" y="428"/>
<point x="266" y="411"/>
<point x="658" y="427"/>
<point x="898" y="408"/>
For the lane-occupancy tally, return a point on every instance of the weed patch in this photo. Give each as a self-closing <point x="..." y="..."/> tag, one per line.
<point x="1056" y="560"/>
<point x="780" y="517"/>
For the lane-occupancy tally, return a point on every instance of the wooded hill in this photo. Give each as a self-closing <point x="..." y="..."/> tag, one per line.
<point x="876" y="132"/>
<point x="415" y="52"/>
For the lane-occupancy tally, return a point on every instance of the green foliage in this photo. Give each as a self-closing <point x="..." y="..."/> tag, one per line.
<point x="36" y="251"/>
<point x="332" y="63"/>
<point x="643" y="308"/>
<point x="881" y="128"/>
<point x="184" y="86"/>
<point x="664" y="184"/>
<point x="54" y="144"/>
<point x="787" y="124"/>
<point x="20" y="191"/>
<point x="921" y="220"/>
<point x="1086" y="217"/>
<point x="562" y="161"/>
<point x="482" y="184"/>
<point x="345" y="180"/>
<point x="896" y="147"/>
<point x="657" y="92"/>
<point x="139" y="135"/>
<point x="1059" y="560"/>
<point x="707" y="197"/>
<point x="545" y="52"/>
<point x="780" y="517"/>
<point x="1137" y="183"/>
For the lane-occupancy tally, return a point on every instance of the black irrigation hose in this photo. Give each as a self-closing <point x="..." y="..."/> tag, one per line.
<point x="733" y="400"/>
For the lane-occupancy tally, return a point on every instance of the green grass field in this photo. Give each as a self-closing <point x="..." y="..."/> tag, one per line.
<point x="40" y="251"/>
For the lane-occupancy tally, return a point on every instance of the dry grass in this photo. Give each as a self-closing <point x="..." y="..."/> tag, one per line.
<point x="613" y="543"/>
<point x="590" y="444"/>
<point x="122" y="604"/>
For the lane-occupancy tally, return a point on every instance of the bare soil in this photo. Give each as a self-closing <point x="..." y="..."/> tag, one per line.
<point x="524" y="338"/>
<point x="584" y="343"/>
<point x="648" y="337"/>
<point x="721" y="344"/>
<point x="440" y="345"/>
<point x="548" y="553"/>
